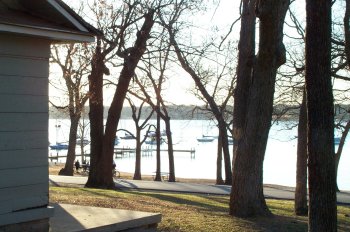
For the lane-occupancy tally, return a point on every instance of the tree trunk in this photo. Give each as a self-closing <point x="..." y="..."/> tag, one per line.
<point x="158" y="177"/>
<point x="247" y="198"/>
<point x="347" y="30"/>
<point x="82" y="152"/>
<point x="246" y="56"/>
<point x="68" y="169"/>
<point x="102" y="176"/>
<point x="219" y="179"/>
<point x="322" y="183"/>
<point x="170" y="150"/>
<point x="137" y="173"/>
<point x="300" y="204"/>
<point x="225" y="146"/>
<point x="96" y="176"/>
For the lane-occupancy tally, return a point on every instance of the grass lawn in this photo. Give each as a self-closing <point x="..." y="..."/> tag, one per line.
<point x="192" y="212"/>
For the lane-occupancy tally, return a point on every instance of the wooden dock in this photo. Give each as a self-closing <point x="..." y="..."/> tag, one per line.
<point x="56" y="156"/>
<point x="125" y="152"/>
<point x="128" y="152"/>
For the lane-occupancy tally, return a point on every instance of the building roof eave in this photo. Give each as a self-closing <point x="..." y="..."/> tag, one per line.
<point x="48" y="33"/>
<point x="74" y="17"/>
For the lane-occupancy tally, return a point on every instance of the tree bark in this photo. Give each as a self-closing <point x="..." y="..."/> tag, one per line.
<point x="68" y="169"/>
<point x="246" y="57"/>
<point x="321" y="166"/>
<point x="96" y="178"/>
<point x="170" y="150"/>
<point x="158" y="176"/>
<point x="347" y="30"/>
<point x="247" y="198"/>
<point x="137" y="173"/>
<point x="300" y="204"/>
<point x="219" y="179"/>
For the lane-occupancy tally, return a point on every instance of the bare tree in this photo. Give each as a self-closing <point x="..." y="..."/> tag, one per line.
<point x="300" y="205"/>
<point x="72" y="61"/>
<point x="180" y="54"/>
<point x="219" y="80"/>
<point x="131" y="14"/>
<point x="158" y="64"/>
<point x="136" y="116"/>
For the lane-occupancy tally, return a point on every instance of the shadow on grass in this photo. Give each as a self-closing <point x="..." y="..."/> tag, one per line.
<point x="278" y="223"/>
<point x="200" y="201"/>
<point x="209" y="205"/>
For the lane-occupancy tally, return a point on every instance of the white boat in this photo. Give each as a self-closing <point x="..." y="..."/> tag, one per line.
<point x="205" y="139"/>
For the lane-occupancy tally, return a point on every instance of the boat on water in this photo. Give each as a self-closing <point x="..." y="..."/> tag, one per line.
<point x="206" y="139"/>
<point x="230" y="140"/>
<point x="154" y="133"/>
<point x="128" y="136"/>
<point x="116" y="141"/>
<point x="59" y="146"/>
<point x="336" y="140"/>
<point x="83" y="141"/>
<point x="153" y="141"/>
<point x="151" y="134"/>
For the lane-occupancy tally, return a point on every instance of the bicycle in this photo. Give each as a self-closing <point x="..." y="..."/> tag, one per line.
<point x="116" y="173"/>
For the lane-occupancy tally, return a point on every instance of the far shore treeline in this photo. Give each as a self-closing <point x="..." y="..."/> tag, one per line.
<point x="191" y="112"/>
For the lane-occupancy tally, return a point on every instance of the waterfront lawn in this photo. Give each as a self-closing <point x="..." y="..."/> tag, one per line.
<point x="191" y="212"/>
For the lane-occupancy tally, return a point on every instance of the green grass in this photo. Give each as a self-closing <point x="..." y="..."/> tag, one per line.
<point x="192" y="212"/>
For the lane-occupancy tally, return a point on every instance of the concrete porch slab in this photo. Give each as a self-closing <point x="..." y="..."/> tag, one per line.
<point x="68" y="218"/>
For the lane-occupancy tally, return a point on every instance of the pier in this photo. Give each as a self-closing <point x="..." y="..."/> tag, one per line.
<point x="56" y="156"/>
<point x="127" y="152"/>
<point x="122" y="152"/>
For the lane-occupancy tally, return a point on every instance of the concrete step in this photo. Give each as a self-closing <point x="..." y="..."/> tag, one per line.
<point x="69" y="218"/>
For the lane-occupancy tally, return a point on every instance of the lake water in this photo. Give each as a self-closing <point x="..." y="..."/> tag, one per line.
<point x="279" y="164"/>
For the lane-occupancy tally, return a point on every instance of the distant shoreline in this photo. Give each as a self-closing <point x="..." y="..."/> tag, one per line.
<point x="181" y="112"/>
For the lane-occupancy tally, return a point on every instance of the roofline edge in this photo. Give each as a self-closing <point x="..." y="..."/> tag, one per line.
<point x="66" y="36"/>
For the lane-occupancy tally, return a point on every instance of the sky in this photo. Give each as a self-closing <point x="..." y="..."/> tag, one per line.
<point x="178" y="89"/>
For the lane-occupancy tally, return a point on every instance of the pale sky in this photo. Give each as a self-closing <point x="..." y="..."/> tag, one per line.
<point x="177" y="89"/>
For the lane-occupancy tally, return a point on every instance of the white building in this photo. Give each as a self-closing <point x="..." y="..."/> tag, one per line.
<point x="27" y="29"/>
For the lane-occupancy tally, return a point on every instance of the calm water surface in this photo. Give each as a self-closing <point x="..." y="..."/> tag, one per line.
<point x="279" y="164"/>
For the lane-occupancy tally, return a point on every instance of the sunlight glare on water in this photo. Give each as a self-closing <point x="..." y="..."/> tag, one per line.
<point x="279" y="163"/>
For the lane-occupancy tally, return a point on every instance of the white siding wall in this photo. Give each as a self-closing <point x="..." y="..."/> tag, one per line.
<point x="24" y="70"/>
